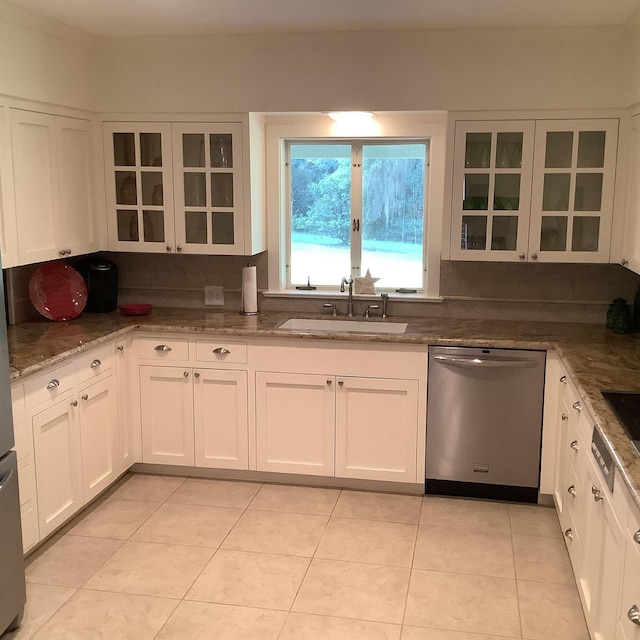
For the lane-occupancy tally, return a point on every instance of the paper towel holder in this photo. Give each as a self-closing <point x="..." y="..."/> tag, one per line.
<point x="244" y="311"/>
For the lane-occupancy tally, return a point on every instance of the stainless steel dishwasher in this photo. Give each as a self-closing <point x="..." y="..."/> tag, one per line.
<point x="484" y="422"/>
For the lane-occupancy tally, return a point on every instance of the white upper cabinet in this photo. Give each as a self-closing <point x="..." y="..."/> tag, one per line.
<point x="631" y="242"/>
<point x="8" y="222"/>
<point x="51" y="158"/>
<point x="533" y="190"/>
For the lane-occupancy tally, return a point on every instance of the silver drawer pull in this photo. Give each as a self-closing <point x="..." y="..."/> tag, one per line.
<point x="95" y="364"/>
<point x="53" y="383"/>
<point x="84" y="397"/>
<point x="120" y="347"/>
<point x="569" y="534"/>
<point x="597" y="496"/>
<point x="574" y="445"/>
<point x="576" y="405"/>
<point x="221" y="351"/>
<point x="634" y="614"/>
<point x="74" y="403"/>
<point x="565" y="416"/>
<point x="636" y="536"/>
<point x="571" y="491"/>
<point x="563" y="379"/>
<point x="163" y="347"/>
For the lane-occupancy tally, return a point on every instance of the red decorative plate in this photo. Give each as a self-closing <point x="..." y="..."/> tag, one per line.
<point x="57" y="291"/>
<point x="135" y="309"/>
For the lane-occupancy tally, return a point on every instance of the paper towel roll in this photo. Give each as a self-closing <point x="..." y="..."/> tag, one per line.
<point x="249" y="291"/>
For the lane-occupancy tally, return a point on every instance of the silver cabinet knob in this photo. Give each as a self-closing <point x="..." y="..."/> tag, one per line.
<point x="52" y="384"/>
<point x="565" y="416"/>
<point x="221" y="351"/>
<point x="597" y="496"/>
<point x="568" y="533"/>
<point x="84" y="397"/>
<point x="120" y="348"/>
<point x="563" y="379"/>
<point x="185" y="374"/>
<point x="179" y="248"/>
<point x="95" y="364"/>
<point x="574" y="445"/>
<point x="340" y="383"/>
<point x="522" y="256"/>
<point x="577" y="406"/>
<point x="163" y="347"/>
<point x="534" y="256"/>
<point x="196" y="375"/>
<point x="634" y="615"/>
<point x="61" y="252"/>
<point x="168" y="247"/>
<point x="571" y="490"/>
<point x="636" y="536"/>
<point x="74" y="403"/>
<point x="624" y="262"/>
<point x="329" y="383"/>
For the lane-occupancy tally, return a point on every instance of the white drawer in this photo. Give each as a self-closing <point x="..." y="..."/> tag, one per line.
<point x="163" y="349"/>
<point x="51" y="385"/>
<point x="221" y="351"/>
<point x="94" y="362"/>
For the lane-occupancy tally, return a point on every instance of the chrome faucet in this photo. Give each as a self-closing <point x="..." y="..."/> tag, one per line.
<point x="348" y="281"/>
<point x="385" y="304"/>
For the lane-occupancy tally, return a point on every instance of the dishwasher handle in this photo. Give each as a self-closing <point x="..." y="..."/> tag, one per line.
<point x="458" y="361"/>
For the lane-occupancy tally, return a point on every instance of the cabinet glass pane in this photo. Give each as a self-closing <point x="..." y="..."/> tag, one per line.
<point x="152" y="188"/>
<point x="222" y="190"/>
<point x="586" y="230"/>
<point x="222" y="227"/>
<point x="195" y="189"/>
<point x="195" y="227"/>
<point x="588" y="192"/>
<point x="506" y="192"/>
<point x="151" y="149"/>
<point x="153" y="225"/>
<point x="193" y="149"/>
<point x="555" y="194"/>
<point x="477" y="150"/>
<point x="127" y="225"/>
<point x="504" y="233"/>
<point x="591" y="149"/>
<point x="474" y="232"/>
<point x="509" y="150"/>
<point x="221" y="150"/>
<point x="559" y="149"/>
<point x="476" y="191"/>
<point x="124" y="149"/>
<point x="126" y="192"/>
<point x="553" y="233"/>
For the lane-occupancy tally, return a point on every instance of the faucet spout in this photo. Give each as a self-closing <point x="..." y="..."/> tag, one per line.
<point x="349" y="282"/>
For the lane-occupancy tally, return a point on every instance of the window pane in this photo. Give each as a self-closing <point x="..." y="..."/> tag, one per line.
<point x="509" y="150"/>
<point x="553" y="233"/>
<point x="151" y="188"/>
<point x="393" y="213"/>
<point x="477" y="152"/>
<point x="559" y="149"/>
<point x="126" y="187"/>
<point x="474" y="233"/>
<point x="195" y="227"/>
<point x="320" y="213"/>
<point x="195" y="194"/>
<point x="193" y="149"/>
<point x="586" y="230"/>
<point x="222" y="227"/>
<point x="476" y="191"/>
<point x="124" y="149"/>
<point x="222" y="190"/>
<point x="127" y="225"/>
<point x="220" y="146"/>
<point x="591" y="148"/>
<point x="150" y="149"/>
<point x="506" y="193"/>
<point x="504" y="233"/>
<point x="588" y="192"/>
<point x="153" y="224"/>
<point x="555" y="192"/>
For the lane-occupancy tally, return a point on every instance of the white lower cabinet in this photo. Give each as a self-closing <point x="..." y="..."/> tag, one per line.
<point x="628" y="625"/>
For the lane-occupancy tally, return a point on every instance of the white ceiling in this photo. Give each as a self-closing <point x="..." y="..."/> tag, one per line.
<point x="205" y="17"/>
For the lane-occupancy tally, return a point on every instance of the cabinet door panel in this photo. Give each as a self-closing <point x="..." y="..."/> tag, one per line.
<point x="220" y="408"/>
<point x="376" y="429"/>
<point x="167" y="415"/>
<point x="295" y="418"/>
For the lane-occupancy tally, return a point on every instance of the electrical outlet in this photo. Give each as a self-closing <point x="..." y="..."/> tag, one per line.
<point x="213" y="296"/>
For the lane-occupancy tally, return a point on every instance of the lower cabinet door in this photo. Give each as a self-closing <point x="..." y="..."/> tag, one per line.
<point x="98" y="409"/>
<point x="295" y="423"/>
<point x="220" y="419"/>
<point x="57" y="451"/>
<point x="628" y="627"/>
<point x="376" y="429"/>
<point x="167" y="415"/>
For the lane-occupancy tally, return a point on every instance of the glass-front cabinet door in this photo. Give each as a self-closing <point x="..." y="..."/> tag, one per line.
<point x="491" y="190"/>
<point x="208" y="188"/>
<point x="573" y="189"/>
<point x="139" y="186"/>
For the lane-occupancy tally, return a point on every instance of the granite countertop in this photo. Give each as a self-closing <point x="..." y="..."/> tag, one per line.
<point x="596" y="358"/>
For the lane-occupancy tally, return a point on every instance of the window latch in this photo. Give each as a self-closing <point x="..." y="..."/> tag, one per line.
<point x="356" y="224"/>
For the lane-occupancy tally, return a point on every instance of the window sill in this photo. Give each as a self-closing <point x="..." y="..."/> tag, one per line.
<point x="327" y="294"/>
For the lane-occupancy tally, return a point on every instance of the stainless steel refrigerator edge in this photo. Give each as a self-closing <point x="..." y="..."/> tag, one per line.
<point x="484" y="422"/>
<point x="12" y="585"/>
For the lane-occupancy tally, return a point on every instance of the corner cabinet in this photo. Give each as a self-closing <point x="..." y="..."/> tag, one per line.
<point x="533" y="190"/>
<point x="180" y="188"/>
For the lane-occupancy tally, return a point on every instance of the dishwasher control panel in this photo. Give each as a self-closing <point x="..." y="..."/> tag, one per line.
<point x="603" y="457"/>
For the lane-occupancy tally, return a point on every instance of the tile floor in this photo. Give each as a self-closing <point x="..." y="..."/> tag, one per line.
<point x="172" y="558"/>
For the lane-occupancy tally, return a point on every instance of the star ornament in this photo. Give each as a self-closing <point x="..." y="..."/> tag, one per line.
<point x="367" y="284"/>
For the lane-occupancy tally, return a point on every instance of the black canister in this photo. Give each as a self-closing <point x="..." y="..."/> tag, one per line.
<point x="619" y="318"/>
<point x="101" y="277"/>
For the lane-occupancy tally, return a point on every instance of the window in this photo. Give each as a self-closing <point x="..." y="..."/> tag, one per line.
<point x="356" y="206"/>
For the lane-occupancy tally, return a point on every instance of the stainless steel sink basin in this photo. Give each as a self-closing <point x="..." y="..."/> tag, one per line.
<point x="342" y="326"/>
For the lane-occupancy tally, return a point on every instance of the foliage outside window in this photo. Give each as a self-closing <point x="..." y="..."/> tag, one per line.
<point x="356" y="206"/>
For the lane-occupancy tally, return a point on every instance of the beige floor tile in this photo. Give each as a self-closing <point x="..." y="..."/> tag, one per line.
<point x="420" y="633"/>
<point x="273" y="532"/>
<point x="311" y="627"/>
<point x="312" y="500"/>
<point x="188" y="524"/>
<point x="474" y="551"/>
<point x="216" y="493"/>
<point x="456" y="513"/>
<point x="534" y="520"/>
<point x="42" y="602"/>
<point x="147" y="568"/>
<point x="204" y="621"/>
<point x="148" y="488"/>
<point x="353" y="590"/>
<point x="71" y="560"/>
<point x="388" y="543"/>
<point x="95" y="614"/>
<point x="458" y="602"/>
<point x="114" y="519"/>
<point x="250" y="579"/>
<point x="542" y="560"/>
<point x="378" y="506"/>
<point x="551" y="612"/>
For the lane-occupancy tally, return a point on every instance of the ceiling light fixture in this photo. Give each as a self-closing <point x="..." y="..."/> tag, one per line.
<point x="350" y="116"/>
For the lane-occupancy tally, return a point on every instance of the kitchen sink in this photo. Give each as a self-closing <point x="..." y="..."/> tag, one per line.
<point x="342" y="326"/>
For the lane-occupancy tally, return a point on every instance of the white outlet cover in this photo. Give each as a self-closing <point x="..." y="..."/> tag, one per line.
<point x="213" y="296"/>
